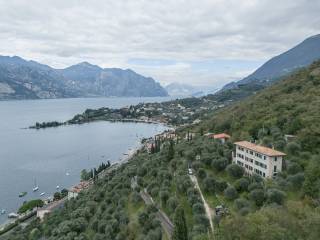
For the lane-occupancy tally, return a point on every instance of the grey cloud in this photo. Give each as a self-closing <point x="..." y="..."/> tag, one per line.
<point x="111" y="32"/>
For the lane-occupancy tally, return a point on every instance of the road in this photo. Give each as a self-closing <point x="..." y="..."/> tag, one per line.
<point x="163" y="218"/>
<point x="206" y="206"/>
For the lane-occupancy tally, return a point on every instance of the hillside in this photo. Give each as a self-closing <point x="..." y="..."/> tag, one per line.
<point x="21" y="79"/>
<point x="285" y="207"/>
<point x="299" y="56"/>
<point x="291" y="105"/>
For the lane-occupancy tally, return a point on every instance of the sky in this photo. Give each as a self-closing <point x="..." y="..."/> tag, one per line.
<point x="203" y="42"/>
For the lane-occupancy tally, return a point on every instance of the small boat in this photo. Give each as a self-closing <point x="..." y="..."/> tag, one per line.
<point x="22" y="194"/>
<point x="57" y="187"/>
<point x="36" y="187"/>
<point x="13" y="215"/>
<point x="43" y="193"/>
<point x="3" y="211"/>
<point x="67" y="174"/>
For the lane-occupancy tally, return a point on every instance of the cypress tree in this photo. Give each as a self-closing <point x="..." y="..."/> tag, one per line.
<point x="180" y="230"/>
<point x="170" y="151"/>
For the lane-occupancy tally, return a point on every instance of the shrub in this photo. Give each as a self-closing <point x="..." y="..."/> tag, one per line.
<point x="241" y="203"/>
<point x="254" y="186"/>
<point x="293" y="148"/>
<point x="219" y="164"/>
<point x="230" y="193"/>
<point x="275" y="196"/>
<point x="201" y="219"/>
<point x="258" y="196"/>
<point x="256" y="178"/>
<point x="244" y="211"/>
<point x="209" y="184"/>
<point x="235" y="171"/>
<point x="172" y="204"/>
<point x="198" y="208"/>
<point x="242" y="184"/>
<point x="296" y="180"/>
<point x="154" y="192"/>
<point x="202" y="173"/>
<point x="164" y="196"/>
<point x="294" y="168"/>
<point x="220" y="186"/>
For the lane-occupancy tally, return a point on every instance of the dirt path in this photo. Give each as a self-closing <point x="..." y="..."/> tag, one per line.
<point x="206" y="206"/>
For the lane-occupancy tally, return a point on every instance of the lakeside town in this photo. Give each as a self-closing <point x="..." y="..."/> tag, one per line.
<point x="172" y="113"/>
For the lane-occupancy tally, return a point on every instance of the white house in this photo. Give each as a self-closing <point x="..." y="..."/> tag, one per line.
<point x="257" y="159"/>
<point x="75" y="190"/>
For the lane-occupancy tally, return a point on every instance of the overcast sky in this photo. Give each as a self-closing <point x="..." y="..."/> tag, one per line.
<point x="200" y="42"/>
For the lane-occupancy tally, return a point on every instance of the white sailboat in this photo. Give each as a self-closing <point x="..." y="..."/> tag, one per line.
<point x="36" y="187"/>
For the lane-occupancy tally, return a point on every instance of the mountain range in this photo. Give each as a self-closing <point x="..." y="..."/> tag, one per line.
<point x="186" y="90"/>
<point x="22" y="79"/>
<point x="282" y="65"/>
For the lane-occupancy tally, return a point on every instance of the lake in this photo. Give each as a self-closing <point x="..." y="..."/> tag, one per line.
<point x="55" y="156"/>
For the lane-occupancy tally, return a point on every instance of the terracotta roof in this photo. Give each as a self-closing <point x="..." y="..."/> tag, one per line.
<point x="221" y="135"/>
<point x="260" y="149"/>
<point x="81" y="186"/>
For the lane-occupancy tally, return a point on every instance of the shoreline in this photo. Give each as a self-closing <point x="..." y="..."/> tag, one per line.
<point x="123" y="159"/>
<point x="56" y="124"/>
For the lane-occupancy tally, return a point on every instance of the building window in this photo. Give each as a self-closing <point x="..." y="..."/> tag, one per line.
<point x="275" y="168"/>
<point x="275" y="159"/>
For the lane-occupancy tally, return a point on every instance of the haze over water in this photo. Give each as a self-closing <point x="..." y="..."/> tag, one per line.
<point x="55" y="156"/>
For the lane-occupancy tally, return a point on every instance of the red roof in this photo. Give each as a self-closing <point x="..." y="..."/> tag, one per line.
<point x="260" y="149"/>
<point x="221" y="135"/>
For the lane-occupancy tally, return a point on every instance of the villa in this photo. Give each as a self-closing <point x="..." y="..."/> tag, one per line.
<point x="256" y="159"/>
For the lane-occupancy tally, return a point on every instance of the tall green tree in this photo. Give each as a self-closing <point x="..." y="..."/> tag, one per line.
<point x="180" y="231"/>
<point x="171" y="151"/>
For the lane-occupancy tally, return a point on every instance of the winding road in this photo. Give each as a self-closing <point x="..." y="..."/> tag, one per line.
<point x="163" y="218"/>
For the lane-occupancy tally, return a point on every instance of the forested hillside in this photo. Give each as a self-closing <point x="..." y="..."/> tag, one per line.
<point x="286" y="207"/>
<point x="292" y="106"/>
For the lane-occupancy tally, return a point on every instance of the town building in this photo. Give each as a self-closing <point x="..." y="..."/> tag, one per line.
<point x="256" y="159"/>
<point x="75" y="190"/>
<point x="222" y="137"/>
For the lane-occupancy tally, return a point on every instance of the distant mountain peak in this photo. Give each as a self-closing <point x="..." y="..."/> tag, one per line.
<point x="21" y="79"/>
<point x="87" y="65"/>
<point x="299" y="56"/>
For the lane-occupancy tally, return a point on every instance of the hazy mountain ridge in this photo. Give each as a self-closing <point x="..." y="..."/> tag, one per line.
<point x="180" y="89"/>
<point x="21" y="79"/>
<point x="279" y="66"/>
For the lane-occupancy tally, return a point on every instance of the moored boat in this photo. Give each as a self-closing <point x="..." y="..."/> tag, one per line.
<point x="36" y="187"/>
<point x="22" y="194"/>
<point x="13" y="215"/>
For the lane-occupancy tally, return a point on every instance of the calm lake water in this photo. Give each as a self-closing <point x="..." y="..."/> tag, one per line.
<point x="55" y="156"/>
